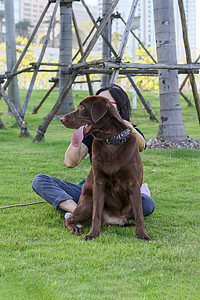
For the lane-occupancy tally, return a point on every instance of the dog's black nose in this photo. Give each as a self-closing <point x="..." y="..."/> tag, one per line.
<point x="62" y="119"/>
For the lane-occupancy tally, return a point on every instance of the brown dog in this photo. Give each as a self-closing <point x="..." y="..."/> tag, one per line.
<point x="111" y="192"/>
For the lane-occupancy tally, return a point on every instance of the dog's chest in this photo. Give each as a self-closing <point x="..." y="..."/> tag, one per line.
<point x="110" y="158"/>
<point x="117" y="195"/>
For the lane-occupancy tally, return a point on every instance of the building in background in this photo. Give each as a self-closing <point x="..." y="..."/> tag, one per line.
<point x="190" y="13"/>
<point x="30" y="11"/>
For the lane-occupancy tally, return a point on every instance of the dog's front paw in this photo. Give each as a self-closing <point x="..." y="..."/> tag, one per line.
<point x="129" y="225"/>
<point x="72" y="228"/>
<point x="143" y="236"/>
<point x="90" y="236"/>
<point x="76" y="230"/>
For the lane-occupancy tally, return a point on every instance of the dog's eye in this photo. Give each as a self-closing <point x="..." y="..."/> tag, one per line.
<point x="81" y="107"/>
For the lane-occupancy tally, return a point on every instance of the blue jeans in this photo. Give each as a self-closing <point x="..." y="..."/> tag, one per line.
<point x="55" y="190"/>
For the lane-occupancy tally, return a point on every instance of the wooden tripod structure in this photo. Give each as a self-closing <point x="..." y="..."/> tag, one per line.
<point x="113" y="66"/>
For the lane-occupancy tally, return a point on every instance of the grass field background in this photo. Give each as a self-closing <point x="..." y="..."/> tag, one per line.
<point x="40" y="259"/>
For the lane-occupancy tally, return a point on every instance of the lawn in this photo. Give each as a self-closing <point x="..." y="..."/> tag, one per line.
<point x="40" y="259"/>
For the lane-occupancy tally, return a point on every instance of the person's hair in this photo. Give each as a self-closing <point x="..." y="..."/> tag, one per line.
<point x="121" y="98"/>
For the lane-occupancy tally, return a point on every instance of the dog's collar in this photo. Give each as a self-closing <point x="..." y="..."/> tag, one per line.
<point x="117" y="139"/>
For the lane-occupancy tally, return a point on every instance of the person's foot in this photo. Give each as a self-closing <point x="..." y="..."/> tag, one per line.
<point x="67" y="215"/>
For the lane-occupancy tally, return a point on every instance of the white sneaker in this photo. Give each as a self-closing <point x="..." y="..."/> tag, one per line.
<point x="67" y="215"/>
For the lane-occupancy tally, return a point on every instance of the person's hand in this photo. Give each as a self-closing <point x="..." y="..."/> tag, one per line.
<point x="139" y="137"/>
<point x="130" y="126"/>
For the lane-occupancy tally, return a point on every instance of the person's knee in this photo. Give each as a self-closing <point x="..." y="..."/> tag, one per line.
<point x="152" y="206"/>
<point x="148" y="205"/>
<point x="37" y="181"/>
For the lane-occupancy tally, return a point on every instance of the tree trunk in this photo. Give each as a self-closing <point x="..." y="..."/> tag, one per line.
<point x="13" y="91"/>
<point x="171" y="125"/>
<point x="106" y="53"/>
<point x="65" y="54"/>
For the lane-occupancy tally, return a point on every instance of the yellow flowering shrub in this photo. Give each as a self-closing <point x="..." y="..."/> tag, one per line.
<point x="32" y="55"/>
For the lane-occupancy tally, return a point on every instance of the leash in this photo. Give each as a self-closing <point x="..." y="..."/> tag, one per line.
<point x="26" y="204"/>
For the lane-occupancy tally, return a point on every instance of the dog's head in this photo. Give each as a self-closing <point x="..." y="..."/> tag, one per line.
<point x="93" y="114"/>
<point x="88" y="113"/>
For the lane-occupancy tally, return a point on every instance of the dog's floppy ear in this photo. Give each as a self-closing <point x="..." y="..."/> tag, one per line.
<point x="99" y="109"/>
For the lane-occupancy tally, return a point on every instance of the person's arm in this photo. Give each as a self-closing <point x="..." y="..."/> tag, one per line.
<point x="74" y="155"/>
<point x="139" y="137"/>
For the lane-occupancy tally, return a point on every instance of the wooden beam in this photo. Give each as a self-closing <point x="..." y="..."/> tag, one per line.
<point x="152" y="66"/>
<point x="132" y="72"/>
<point x="84" y="71"/>
<point x="113" y="64"/>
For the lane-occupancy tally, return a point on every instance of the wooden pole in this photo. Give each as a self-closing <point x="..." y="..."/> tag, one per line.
<point x="182" y="69"/>
<point x="132" y="72"/>
<point x="124" y="39"/>
<point x="107" y="32"/>
<point x="183" y="84"/>
<point x="189" y="67"/>
<point x="1" y="124"/>
<point x="37" y="66"/>
<point x="42" y="129"/>
<point x="35" y="110"/>
<point x="11" y="106"/>
<point x="99" y="31"/>
<point x="189" y="57"/>
<point x="25" y="204"/>
<point x="110" y="64"/>
<point x="186" y="99"/>
<point x="146" y="106"/>
<point x="12" y="109"/>
<point x="85" y="41"/>
<point x="139" y="41"/>
<point x="11" y="75"/>
<point x="81" y="51"/>
<point x="96" y="25"/>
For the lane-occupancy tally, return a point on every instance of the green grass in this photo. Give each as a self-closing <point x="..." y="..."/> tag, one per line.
<point x="40" y="259"/>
